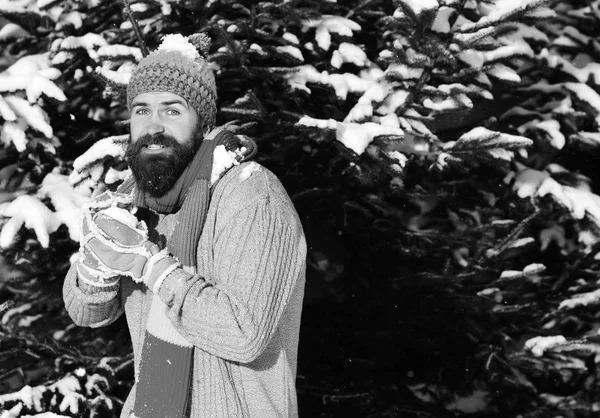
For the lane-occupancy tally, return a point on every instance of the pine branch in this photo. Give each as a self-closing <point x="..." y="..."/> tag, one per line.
<point x="136" y="27"/>
<point x="493" y="253"/>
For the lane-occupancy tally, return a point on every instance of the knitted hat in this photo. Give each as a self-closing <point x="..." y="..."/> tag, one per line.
<point x="178" y="66"/>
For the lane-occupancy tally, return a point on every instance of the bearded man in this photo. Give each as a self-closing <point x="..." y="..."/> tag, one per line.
<point x="210" y="271"/>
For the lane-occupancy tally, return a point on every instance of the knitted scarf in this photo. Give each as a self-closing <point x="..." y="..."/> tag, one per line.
<point x="164" y="377"/>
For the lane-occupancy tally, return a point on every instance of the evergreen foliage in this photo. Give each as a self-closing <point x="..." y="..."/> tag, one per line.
<point x="442" y="157"/>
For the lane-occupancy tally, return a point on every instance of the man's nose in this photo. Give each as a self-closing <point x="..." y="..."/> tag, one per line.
<point x="155" y="125"/>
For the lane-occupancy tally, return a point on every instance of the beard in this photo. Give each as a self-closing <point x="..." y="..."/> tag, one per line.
<point x="156" y="174"/>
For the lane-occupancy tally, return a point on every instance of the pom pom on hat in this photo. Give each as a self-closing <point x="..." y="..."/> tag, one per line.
<point x="179" y="66"/>
<point x="202" y="43"/>
<point x="177" y="42"/>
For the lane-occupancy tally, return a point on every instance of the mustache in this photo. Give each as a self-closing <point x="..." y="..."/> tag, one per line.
<point x="156" y="139"/>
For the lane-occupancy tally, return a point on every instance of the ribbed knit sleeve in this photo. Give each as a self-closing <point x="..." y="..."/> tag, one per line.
<point x="90" y="306"/>
<point x="259" y="253"/>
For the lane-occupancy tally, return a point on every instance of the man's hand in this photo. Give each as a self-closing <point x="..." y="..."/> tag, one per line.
<point x="118" y="245"/>
<point x="89" y="269"/>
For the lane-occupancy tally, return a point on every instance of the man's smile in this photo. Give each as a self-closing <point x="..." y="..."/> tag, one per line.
<point x="156" y="148"/>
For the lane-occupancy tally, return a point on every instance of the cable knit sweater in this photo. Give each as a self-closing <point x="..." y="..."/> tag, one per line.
<point x="241" y="309"/>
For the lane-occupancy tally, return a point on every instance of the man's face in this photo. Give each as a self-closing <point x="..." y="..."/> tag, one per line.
<point x="165" y="134"/>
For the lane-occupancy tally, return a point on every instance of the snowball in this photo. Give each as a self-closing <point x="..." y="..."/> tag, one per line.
<point x="122" y="215"/>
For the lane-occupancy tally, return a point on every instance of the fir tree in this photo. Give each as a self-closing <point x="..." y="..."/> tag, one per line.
<point x="441" y="154"/>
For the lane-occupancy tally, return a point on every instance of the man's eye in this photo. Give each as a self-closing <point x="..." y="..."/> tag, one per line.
<point x="141" y="111"/>
<point x="173" y="112"/>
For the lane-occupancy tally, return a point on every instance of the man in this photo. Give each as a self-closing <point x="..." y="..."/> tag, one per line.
<point x="211" y="273"/>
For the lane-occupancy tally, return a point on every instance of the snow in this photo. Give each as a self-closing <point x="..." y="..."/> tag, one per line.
<point x="290" y="37"/>
<point x="30" y="397"/>
<point x="89" y="41"/>
<point x="72" y="18"/>
<point x="552" y="128"/>
<point x="358" y="136"/>
<point x="31" y="212"/>
<point x="533" y="183"/>
<point x="418" y="6"/>
<point x="33" y="115"/>
<point x="589" y="138"/>
<point x="30" y="64"/>
<point x="454" y="102"/>
<point x="355" y="136"/>
<point x="223" y="160"/>
<point x="481" y="137"/>
<point x="328" y="24"/>
<point x="582" y="299"/>
<point x="582" y="74"/>
<point x="398" y="156"/>
<point x="61" y="57"/>
<point x="387" y="120"/>
<point x="291" y="50"/>
<point x="120" y="51"/>
<point x="503" y="72"/>
<point x="114" y="146"/>
<point x="12" y="30"/>
<point x="67" y="202"/>
<point x="441" y="23"/>
<point x="471" y="404"/>
<point x="124" y="216"/>
<point x="538" y="345"/>
<point x="13" y="412"/>
<point x="248" y="170"/>
<point x="318" y="123"/>
<point x="525" y="31"/>
<point x="586" y="94"/>
<point x="393" y="102"/>
<point x="179" y="43"/>
<point x="530" y="271"/>
<point x="517" y="47"/>
<point x="118" y="77"/>
<point x="68" y="387"/>
<point x="353" y="54"/>
<point x="6" y="111"/>
<point x="404" y="71"/>
<point x="28" y="320"/>
<point x="58" y="335"/>
<point x="14" y="311"/>
<point x="500" y="10"/>
<point x="363" y="108"/>
<point x="256" y="48"/>
<point x="488" y="291"/>
<point x="342" y="83"/>
<point x="112" y="176"/>
<point x="528" y="180"/>
<point x="15" y="133"/>
<point x="32" y="74"/>
<point x="522" y="242"/>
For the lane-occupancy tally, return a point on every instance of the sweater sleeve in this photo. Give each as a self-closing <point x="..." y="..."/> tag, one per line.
<point x="89" y="306"/>
<point x="259" y="253"/>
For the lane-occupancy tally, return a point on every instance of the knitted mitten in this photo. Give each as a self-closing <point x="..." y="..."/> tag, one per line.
<point x="116" y="244"/>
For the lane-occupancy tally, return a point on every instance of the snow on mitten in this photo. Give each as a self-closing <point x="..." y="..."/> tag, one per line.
<point x="119" y="244"/>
